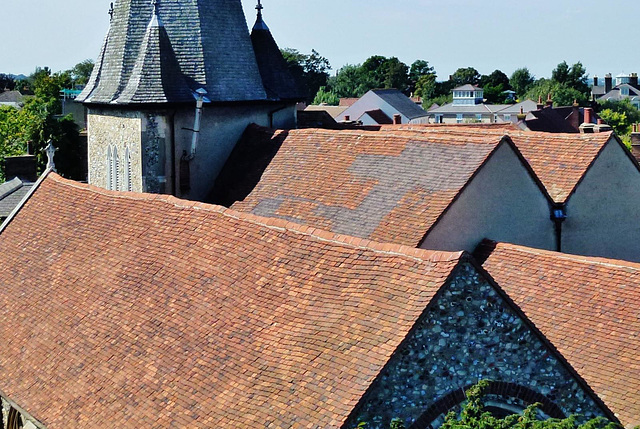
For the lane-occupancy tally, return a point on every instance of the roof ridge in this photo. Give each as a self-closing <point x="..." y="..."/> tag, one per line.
<point x="408" y="252"/>
<point x="593" y="260"/>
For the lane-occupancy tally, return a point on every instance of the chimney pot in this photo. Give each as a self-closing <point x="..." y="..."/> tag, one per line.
<point x="587" y="115"/>
<point x="347" y="118"/>
<point x="397" y="119"/>
<point x="608" y="83"/>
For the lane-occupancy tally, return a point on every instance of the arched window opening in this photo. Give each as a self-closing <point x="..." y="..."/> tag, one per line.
<point x="115" y="183"/>
<point x="109" y="167"/>
<point x="128" y="185"/>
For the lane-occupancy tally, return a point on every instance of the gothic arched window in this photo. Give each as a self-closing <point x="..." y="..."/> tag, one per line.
<point x="128" y="185"/>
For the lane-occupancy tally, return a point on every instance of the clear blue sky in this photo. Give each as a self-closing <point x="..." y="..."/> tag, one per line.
<point x="487" y="35"/>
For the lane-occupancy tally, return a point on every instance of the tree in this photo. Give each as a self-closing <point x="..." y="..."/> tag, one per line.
<point x="421" y="71"/>
<point x="621" y="115"/>
<point x="81" y="72"/>
<point x="326" y="97"/>
<point x="575" y="77"/>
<point x="6" y="82"/>
<point x="467" y="75"/>
<point x="309" y="70"/>
<point x="382" y="72"/>
<point x="420" y="68"/>
<point x="425" y="87"/>
<point x="561" y="94"/>
<point x="350" y="81"/>
<point x="494" y="86"/>
<point x="521" y="80"/>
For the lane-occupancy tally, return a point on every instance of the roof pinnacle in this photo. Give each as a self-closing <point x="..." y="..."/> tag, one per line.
<point x="259" y="8"/>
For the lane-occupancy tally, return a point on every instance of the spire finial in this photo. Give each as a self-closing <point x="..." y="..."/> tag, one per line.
<point x="155" y="6"/>
<point x="111" y="12"/>
<point x="259" y="8"/>
<point x="51" y="151"/>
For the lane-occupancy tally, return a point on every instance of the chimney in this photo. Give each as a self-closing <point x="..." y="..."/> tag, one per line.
<point x="595" y="81"/>
<point x="635" y="136"/>
<point x="397" y="119"/>
<point x="608" y="82"/>
<point x="549" y="100"/>
<point x="539" y="106"/>
<point x="347" y="118"/>
<point x="588" y="115"/>
<point x="633" y="80"/>
<point x="23" y="167"/>
<point x="574" y="118"/>
<point x="522" y="116"/>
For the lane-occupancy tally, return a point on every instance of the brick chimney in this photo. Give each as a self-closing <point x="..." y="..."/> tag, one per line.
<point x="539" y="106"/>
<point x="588" y="115"/>
<point x="633" y="80"/>
<point x="595" y="81"/>
<point x="397" y="119"/>
<point x="574" y="118"/>
<point x="608" y="82"/>
<point x="549" y="100"/>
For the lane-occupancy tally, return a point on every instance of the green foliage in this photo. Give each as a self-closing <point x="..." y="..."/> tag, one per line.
<point x="521" y="80"/>
<point x="311" y="71"/>
<point x="37" y="123"/>
<point x="474" y="416"/>
<point x="81" y="72"/>
<point x="426" y="87"/>
<point x="326" y="97"/>
<point x="6" y="82"/>
<point x="463" y="76"/>
<point x="494" y="86"/>
<point x="618" y="121"/>
<point x="574" y="77"/>
<point x="561" y="94"/>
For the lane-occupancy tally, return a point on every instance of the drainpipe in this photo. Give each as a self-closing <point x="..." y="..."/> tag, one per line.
<point x="186" y="158"/>
<point x="558" y="215"/>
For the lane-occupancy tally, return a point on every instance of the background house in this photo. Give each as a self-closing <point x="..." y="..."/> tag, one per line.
<point x="626" y="87"/>
<point x="383" y="105"/>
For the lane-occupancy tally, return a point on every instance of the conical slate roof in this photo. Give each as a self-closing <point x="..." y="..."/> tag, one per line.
<point x="195" y="44"/>
<point x="276" y="77"/>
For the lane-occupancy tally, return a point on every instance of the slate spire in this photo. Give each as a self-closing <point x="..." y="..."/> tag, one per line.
<point x="278" y="81"/>
<point x="199" y="34"/>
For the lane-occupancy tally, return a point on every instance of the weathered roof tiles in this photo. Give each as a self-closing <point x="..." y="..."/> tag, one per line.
<point x="151" y="311"/>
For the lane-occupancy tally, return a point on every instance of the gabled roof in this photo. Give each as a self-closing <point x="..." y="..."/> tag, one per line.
<point x="559" y="160"/>
<point x="588" y="309"/>
<point x="389" y="185"/>
<point x="401" y="103"/>
<point x="11" y="97"/>
<point x="553" y="120"/>
<point x="149" y="311"/>
<point x="202" y="34"/>
<point x="278" y="81"/>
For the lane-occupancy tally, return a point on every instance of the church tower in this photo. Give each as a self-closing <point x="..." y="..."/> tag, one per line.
<point x="175" y="85"/>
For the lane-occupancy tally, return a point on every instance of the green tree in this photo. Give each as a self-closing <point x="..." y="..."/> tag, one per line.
<point x="311" y="71"/>
<point x="349" y="81"/>
<point x="326" y="97"/>
<point x="81" y="72"/>
<point x="574" y="77"/>
<point x="6" y="82"/>
<point x="426" y="86"/>
<point x="466" y="75"/>
<point x="521" y="80"/>
<point x="561" y="94"/>
<point x="420" y="68"/>
<point x="494" y="86"/>
<point x="474" y="416"/>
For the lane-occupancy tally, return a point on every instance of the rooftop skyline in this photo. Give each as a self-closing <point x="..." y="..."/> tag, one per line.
<point x="457" y="33"/>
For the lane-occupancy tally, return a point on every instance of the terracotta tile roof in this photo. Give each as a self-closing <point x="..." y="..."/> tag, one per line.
<point x="588" y="308"/>
<point x="559" y="160"/>
<point x="136" y="310"/>
<point x="385" y="186"/>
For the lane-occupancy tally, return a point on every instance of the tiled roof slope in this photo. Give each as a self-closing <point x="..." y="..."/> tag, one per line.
<point x="385" y="186"/>
<point x="135" y="310"/>
<point x="588" y="308"/>
<point x="210" y="40"/>
<point x="559" y="160"/>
